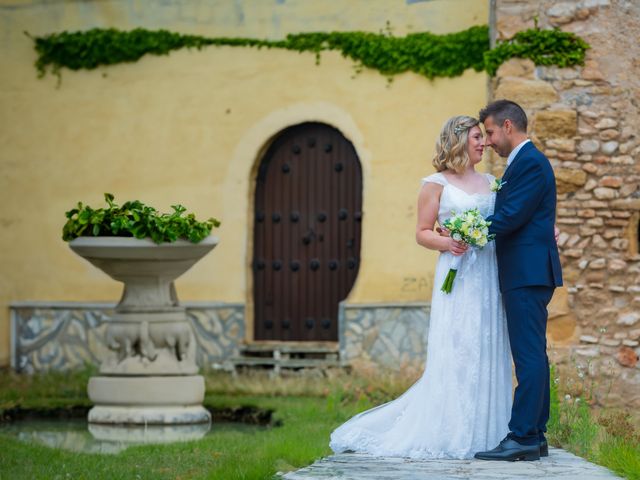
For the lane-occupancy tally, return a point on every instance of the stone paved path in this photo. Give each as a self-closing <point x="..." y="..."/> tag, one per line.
<point x="559" y="465"/>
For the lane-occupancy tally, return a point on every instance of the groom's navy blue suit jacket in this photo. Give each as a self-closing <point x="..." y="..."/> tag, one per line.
<point x="523" y="222"/>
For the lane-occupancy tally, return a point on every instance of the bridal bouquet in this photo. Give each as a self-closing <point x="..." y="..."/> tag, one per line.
<point x="471" y="228"/>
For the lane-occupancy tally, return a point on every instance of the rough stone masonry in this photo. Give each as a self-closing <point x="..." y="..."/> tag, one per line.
<point x="586" y="121"/>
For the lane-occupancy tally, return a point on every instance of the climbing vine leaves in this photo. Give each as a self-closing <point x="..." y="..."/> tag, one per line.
<point x="423" y="53"/>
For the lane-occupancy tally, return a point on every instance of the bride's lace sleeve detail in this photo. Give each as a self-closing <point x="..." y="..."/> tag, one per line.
<point x="435" y="178"/>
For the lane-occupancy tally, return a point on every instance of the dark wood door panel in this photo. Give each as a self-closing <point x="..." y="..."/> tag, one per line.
<point x="308" y="207"/>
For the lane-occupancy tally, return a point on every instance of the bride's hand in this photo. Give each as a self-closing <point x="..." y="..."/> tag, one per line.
<point x="457" y="248"/>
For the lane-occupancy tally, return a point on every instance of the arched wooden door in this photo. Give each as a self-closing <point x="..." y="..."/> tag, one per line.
<point x="308" y="212"/>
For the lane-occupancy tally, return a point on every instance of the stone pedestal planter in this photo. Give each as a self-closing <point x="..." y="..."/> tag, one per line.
<point x="150" y="376"/>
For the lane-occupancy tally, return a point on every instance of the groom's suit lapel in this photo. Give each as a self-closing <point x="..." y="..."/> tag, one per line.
<point x="525" y="148"/>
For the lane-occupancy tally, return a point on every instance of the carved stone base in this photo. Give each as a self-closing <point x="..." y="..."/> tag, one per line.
<point x="163" y="363"/>
<point x="148" y="433"/>
<point x="167" y="415"/>
<point x="148" y="400"/>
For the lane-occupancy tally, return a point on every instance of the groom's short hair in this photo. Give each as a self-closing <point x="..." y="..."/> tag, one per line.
<point x="502" y="110"/>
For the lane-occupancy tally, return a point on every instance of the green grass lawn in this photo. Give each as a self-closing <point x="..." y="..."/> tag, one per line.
<point x="246" y="453"/>
<point x="304" y="425"/>
<point x="307" y="409"/>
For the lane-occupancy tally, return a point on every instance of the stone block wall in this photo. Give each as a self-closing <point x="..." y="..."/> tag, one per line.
<point x="586" y="120"/>
<point x="392" y="336"/>
<point x="67" y="335"/>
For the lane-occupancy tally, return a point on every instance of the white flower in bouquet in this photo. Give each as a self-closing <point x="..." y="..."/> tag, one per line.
<point x="471" y="228"/>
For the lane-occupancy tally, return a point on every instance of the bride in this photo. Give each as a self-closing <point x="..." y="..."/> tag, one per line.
<point x="462" y="402"/>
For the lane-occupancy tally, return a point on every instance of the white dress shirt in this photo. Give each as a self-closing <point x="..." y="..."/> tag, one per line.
<point x="515" y="151"/>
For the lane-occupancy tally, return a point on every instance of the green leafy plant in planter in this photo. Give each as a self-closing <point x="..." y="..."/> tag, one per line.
<point x="135" y="219"/>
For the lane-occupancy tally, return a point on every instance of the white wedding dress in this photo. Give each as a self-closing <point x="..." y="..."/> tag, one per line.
<point x="462" y="402"/>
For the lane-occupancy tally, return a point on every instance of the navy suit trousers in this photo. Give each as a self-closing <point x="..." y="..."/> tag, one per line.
<point x="526" y="310"/>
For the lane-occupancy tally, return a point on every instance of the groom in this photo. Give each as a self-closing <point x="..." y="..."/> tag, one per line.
<point x="528" y="269"/>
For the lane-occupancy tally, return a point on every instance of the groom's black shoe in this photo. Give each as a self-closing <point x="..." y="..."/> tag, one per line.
<point x="509" y="450"/>
<point x="544" y="448"/>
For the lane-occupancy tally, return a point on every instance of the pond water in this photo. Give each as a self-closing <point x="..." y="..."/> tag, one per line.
<point x="79" y="436"/>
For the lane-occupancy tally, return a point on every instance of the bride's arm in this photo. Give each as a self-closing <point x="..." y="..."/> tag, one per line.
<point x="428" y="206"/>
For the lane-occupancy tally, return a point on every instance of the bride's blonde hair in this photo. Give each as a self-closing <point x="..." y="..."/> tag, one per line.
<point x="451" y="146"/>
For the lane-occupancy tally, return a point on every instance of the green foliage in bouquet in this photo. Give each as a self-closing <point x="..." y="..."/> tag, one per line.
<point x="135" y="219"/>
<point x="471" y="228"/>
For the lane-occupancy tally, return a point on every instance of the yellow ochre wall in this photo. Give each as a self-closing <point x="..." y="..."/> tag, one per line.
<point x="189" y="128"/>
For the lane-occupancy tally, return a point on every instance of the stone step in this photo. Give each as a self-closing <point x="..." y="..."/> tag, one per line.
<point x="287" y="355"/>
<point x="284" y="362"/>
<point x="298" y="347"/>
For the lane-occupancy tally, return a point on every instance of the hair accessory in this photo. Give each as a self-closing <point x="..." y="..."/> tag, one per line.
<point x="458" y="129"/>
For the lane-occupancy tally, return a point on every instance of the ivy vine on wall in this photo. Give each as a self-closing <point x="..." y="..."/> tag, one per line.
<point x="423" y="53"/>
<point x="543" y="47"/>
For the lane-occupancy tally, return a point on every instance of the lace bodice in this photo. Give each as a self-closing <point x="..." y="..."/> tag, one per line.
<point x="454" y="199"/>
